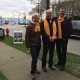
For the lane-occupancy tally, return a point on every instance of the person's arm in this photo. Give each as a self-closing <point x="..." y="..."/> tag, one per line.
<point x="27" y="37"/>
<point x="69" y="30"/>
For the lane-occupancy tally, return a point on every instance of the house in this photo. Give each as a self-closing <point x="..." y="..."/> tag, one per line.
<point x="72" y="7"/>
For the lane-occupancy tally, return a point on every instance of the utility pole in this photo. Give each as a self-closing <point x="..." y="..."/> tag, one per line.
<point x="48" y="4"/>
<point x="73" y="10"/>
<point x="38" y="7"/>
<point x="59" y="4"/>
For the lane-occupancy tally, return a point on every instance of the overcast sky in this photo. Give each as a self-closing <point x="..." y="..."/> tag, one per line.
<point x="14" y="7"/>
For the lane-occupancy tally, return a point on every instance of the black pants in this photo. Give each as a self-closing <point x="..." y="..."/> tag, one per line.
<point x="61" y="46"/>
<point x="34" y="54"/>
<point x="48" y="46"/>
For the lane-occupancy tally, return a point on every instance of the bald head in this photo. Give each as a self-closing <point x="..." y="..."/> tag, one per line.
<point x="48" y="13"/>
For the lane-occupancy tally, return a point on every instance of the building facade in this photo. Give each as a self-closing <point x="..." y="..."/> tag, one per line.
<point x="72" y="7"/>
<point x="68" y="5"/>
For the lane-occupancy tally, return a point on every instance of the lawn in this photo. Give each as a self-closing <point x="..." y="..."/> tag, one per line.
<point x="2" y="77"/>
<point x="72" y="64"/>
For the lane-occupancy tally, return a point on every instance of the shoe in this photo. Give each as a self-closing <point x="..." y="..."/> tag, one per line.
<point x="38" y="72"/>
<point x="57" y="65"/>
<point x="44" y="69"/>
<point x="33" y="76"/>
<point x="62" y="68"/>
<point x="52" y="67"/>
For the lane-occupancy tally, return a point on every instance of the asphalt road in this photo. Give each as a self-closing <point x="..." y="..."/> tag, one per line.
<point x="73" y="45"/>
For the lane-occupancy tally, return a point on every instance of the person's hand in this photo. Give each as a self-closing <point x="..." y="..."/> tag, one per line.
<point x="55" y="37"/>
<point x="50" y="38"/>
<point x="29" y="49"/>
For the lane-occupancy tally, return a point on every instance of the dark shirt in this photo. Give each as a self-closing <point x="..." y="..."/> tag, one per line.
<point x="44" y="35"/>
<point x="50" y="26"/>
<point x="66" y="28"/>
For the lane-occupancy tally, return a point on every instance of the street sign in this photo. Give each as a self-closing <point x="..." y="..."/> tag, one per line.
<point x="2" y="34"/>
<point x="18" y="37"/>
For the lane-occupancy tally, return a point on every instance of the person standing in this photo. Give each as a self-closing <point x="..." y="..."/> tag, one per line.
<point x="48" y="32"/>
<point x="64" y="28"/>
<point x="33" y="43"/>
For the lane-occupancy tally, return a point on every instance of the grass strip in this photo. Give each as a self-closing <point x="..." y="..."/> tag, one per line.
<point x="72" y="63"/>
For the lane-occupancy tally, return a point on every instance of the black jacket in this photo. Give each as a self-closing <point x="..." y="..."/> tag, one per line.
<point x="66" y="27"/>
<point x="44" y="35"/>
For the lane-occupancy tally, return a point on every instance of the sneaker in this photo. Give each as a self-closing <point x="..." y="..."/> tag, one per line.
<point x="52" y="67"/>
<point x="44" y="69"/>
<point x="33" y="76"/>
<point x="38" y="72"/>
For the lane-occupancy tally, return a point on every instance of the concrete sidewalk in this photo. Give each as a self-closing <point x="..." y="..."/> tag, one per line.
<point x="15" y="65"/>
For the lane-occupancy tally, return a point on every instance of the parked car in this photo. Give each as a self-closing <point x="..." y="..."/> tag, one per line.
<point x="76" y="29"/>
<point x="6" y="21"/>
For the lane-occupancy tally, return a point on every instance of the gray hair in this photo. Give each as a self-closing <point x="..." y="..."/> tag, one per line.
<point x="35" y="14"/>
<point x="48" y="11"/>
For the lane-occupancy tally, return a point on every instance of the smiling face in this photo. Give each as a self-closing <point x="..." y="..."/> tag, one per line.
<point x="62" y="12"/>
<point x="48" y="14"/>
<point x="35" y="18"/>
